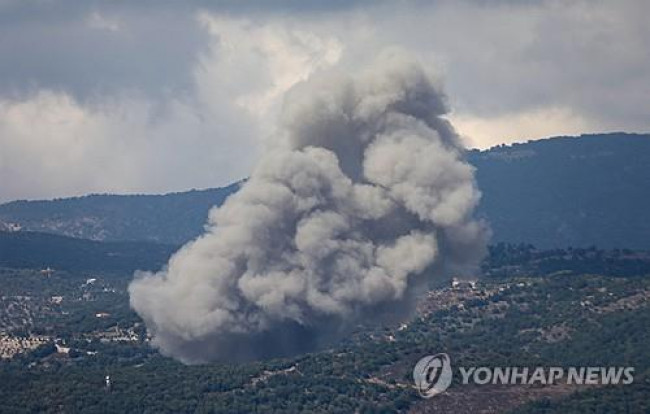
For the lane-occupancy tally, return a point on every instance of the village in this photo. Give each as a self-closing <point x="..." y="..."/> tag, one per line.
<point x="30" y="319"/>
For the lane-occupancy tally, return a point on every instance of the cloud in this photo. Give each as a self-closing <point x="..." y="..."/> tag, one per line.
<point x="257" y="63"/>
<point x="131" y="141"/>
<point x="215" y="74"/>
<point x="488" y="131"/>
<point x="91" y="52"/>
<point x="52" y="145"/>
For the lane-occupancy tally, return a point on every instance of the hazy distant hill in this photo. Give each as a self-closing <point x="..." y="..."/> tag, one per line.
<point x="171" y="218"/>
<point x="564" y="191"/>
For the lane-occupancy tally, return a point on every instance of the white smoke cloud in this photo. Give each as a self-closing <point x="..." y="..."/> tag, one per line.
<point x="368" y="194"/>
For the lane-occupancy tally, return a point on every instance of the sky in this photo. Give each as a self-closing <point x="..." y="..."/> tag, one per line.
<point x="158" y="96"/>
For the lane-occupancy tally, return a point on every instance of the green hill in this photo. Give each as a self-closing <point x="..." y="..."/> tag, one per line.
<point x="40" y="251"/>
<point x="170" y="218"/>
<point x="591" y="190"/>
<point x="555" y="192"/>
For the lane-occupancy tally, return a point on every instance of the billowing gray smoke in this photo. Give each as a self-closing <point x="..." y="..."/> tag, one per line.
<point x="369" y="197"/>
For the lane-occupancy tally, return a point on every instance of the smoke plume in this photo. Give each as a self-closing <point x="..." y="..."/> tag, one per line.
<point x="367" y="196"/>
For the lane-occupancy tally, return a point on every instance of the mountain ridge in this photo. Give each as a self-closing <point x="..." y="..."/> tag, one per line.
<point x="25" y="249"/>
<point x="554" y="192"/>
<point x="171" y="218"/>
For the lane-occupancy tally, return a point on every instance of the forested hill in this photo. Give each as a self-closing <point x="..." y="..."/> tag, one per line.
<point x="556" y="192"/>
<point x="170" y="218"/>
<point x="564" y="191"/>
<point x="40" y="251"/>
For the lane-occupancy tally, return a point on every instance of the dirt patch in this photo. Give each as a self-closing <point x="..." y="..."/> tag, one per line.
<point x="490" y="399"/>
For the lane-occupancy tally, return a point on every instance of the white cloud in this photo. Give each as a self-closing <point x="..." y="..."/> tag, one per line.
<point x="99" y="21"/>
<point x="485" y="132"/>
<point x="115" y="97"/>
<point x="254" y="63"/>
<point x="55" y="145"/>
<point x="279" y="55"/>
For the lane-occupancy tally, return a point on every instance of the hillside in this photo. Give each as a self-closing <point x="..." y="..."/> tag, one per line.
<point x="170" y="218"/>
<point x="591" y="190"/>
<point x="522" y="313"/>
<point x="40" y="250"/>
<point x="556" y="192"/>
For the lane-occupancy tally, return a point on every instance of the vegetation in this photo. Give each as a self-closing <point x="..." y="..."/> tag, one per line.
<point x="565" y="191"/>
<point x="606" y="400"/>
<point x="40" y="250"/>
<point x="525" y="259"/>
<point x="517" y="315"/>
<point x="557" y="192"/>
<point x="171" y="218"/>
